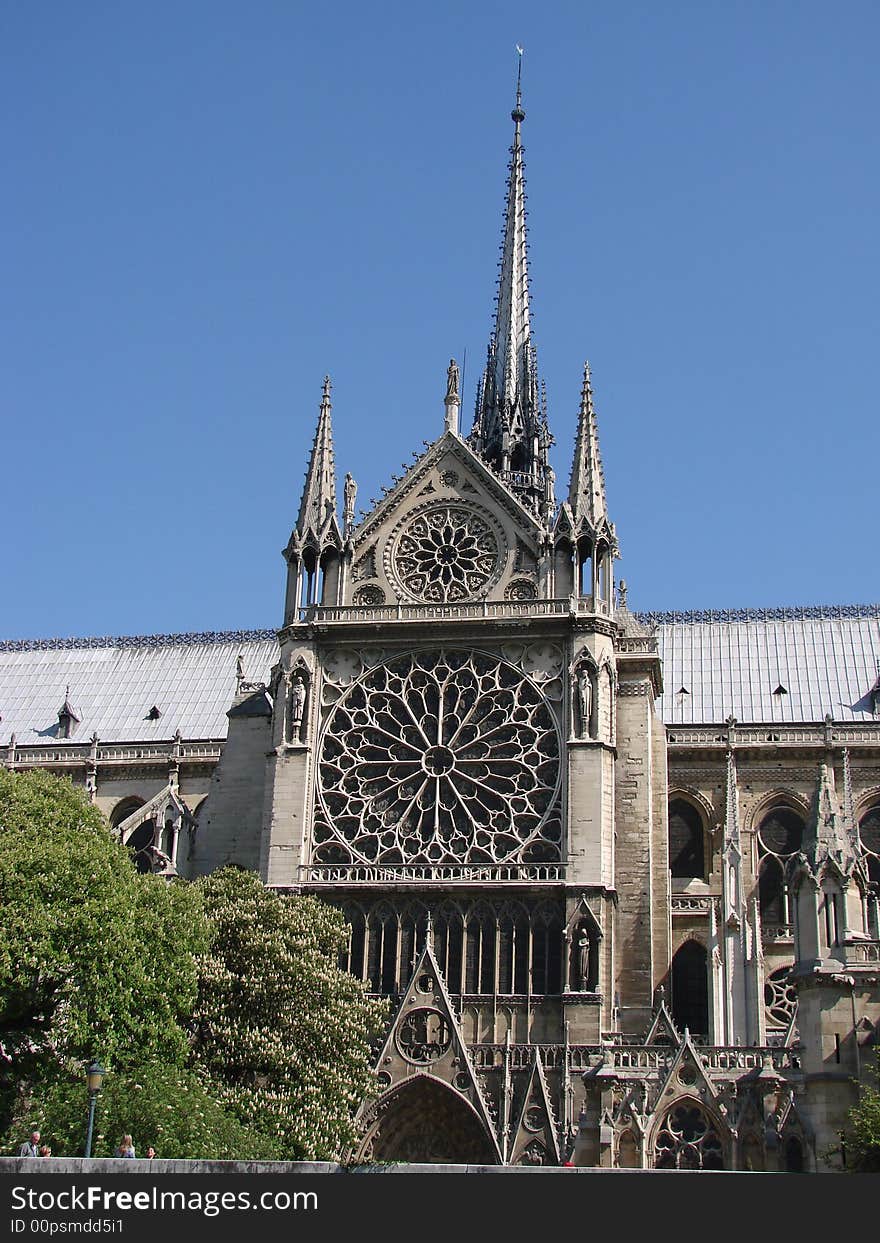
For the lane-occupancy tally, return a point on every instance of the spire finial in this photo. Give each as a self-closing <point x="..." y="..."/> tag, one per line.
<point x="518" y="115"/>
<point x="507" y="429"/>
<point x="318" y="506"/>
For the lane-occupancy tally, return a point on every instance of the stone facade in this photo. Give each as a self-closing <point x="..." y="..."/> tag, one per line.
<point x="610" y="937"/>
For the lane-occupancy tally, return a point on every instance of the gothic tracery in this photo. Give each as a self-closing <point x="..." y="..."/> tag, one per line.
<point x="440" y="757"/>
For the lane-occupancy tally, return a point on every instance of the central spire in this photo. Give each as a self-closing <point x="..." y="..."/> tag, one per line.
<point x="510" y="426"/>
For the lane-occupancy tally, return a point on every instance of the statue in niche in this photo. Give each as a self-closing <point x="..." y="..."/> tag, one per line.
<point x="583" y="960"/>
<point x="584" y="700"/>
<point x="349" y="495"/>
<point x="297" y="706"/>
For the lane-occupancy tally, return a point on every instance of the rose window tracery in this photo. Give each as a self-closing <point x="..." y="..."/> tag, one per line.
<point x="424" y="1036"/>
<point x="440" y="757"/>
<point x="780" y="999"/>
<point x="447" y="553"/>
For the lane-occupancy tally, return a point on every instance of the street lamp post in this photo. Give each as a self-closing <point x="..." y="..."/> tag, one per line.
<point x="94" y="1079"/>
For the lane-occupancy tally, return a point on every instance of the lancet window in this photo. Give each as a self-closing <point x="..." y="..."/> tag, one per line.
<point x="686" y="841"/>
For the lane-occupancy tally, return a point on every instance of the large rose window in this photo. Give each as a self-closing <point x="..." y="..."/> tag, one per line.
<point x="439" y="757"/>
<point x="445" y="554"/>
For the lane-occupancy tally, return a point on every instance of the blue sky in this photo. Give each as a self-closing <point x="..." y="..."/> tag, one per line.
<point x="208" y="206"/>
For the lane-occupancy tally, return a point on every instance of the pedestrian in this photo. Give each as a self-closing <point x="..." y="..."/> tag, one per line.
<point x="126" y="1148"/>
<point x="31" y="1147"/>
<point x="45" y="1150"/>
<point x="151" y="1152"/>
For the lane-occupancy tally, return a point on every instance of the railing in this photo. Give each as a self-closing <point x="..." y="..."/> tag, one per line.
<point x="760" y="735"/>
<point x="691" y="906"/>
<point x="366" y="874"/>
<point x="718" y="1058"/>
<point x="114" y="753"/>
<point x="573" y="606"/>
<point x="646" y="645"/>
<point x="861" y="953"/>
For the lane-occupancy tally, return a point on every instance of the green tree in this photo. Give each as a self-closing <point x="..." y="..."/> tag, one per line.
<point x="158" y="1103"/>
<point x="863" y="1134"/>
<point x="283" y="1034"/>
<point x="95" y="960"/>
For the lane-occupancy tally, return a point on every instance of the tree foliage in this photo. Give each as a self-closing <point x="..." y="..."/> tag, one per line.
<point x="216" y="1008"/>
<point x="863" y="1134"/>
<point x="158" y="1103"/>
<point x="281" y="1031"/>
<point x="95" y="960"/>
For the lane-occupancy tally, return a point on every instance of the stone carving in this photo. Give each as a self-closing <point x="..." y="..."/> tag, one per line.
<point x="583" y="949"/>
<point x="585" y="700"/>
<point x="365" y="566"/>
<point x="349" y="495"/>
<point x="440" y="756"/>
<point x="297" y="705"/>
<point x="446" y="554"/>
<point x="369" y="597"/>
<point x="521" y="589"/>
<point x="452" y="380"/>
<point x="535" y="1154"/>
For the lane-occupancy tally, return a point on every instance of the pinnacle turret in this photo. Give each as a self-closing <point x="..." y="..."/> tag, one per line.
<point x="586" y="492"/>
<point x="317" y="509"/>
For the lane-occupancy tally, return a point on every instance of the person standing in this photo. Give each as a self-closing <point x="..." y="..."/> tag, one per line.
<point x="31" y="1147"/>
<point x="126" y="1148"/>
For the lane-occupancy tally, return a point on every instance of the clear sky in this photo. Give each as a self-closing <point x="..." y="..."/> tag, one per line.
<point x="208" y="205"/>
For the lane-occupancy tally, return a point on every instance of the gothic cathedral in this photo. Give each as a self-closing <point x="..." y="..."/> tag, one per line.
<point x="621" y="924"/>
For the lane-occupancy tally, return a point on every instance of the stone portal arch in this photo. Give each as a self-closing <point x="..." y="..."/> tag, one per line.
<point x="426" y="1121"/>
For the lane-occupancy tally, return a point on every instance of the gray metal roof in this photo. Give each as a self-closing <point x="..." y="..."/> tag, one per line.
<point x="115" y="682"/>
<point x="783" y="665"/>
<point x="714" y="664"/>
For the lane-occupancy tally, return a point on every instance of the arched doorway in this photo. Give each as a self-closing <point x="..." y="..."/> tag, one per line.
<point x="427" y="1122"/>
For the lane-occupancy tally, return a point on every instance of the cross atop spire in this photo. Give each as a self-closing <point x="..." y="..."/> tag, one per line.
<point x="510" y="429"/>
<point x="318" y="506"/>
<point x="586" y="492"/>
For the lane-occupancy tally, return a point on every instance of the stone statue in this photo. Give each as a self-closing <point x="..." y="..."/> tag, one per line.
<point x="349" y="494"/>
<point x="583" y="947"/>
<point x="297" y="705"/>
<point x="585" y="699"/>
<point x="452" y="380"/>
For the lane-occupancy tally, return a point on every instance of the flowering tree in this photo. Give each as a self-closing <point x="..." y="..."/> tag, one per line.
<point x="282" y="1033"/>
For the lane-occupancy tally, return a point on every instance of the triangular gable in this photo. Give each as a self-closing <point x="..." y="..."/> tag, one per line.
<point x="686" y="1075"/>
<point x="534" y="1140"/>
<point x="425" y="1039"/>
<point x="663" y="1029"/>
<point x="407" y="487"/>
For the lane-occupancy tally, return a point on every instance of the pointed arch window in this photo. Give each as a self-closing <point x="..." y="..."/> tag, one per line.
<point x="688" y="1140"/>
<point x="689" y="981"/>
<point x="779" y="836"/>
<point x="687" y="859"/>
<point x="869" y="831"/>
